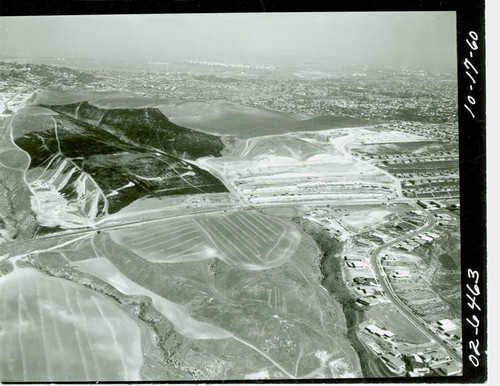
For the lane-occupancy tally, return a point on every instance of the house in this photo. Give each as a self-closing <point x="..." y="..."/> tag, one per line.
<point x="453" y="338"/>
<point x="438" y="204"/>
<point x="368" y="301"/>
<point x="368" y="291"/>
<point x="364" y="242"/>
<point x="426" y="238"/>
<point x="379" y="236"/>
<point x="401" y="274"/>
<point x="353" y="258"/>
<point x="356" y="264"/>
<point x="406" y="247"/>
<point x="414" y="374"/>
<point x="413" y="244"/>
<point x="390" y="258"/>
<point x="364" y="280"/>
<point x="375" y="349"/>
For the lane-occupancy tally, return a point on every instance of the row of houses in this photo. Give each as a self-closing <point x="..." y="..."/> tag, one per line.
<point x="429" y="362"/>
<point x="417" y="160"/>
<point x="426" y="173"/>
<point x="422" y="157"/>
<point x="417" y="241"/>
<point x="434" y="204"/>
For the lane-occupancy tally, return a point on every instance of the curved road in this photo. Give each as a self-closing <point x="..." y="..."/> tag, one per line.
<point x="394" y="299"/>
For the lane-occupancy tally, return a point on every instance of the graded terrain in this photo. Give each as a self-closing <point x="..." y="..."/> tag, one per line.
<point x="49" y="327"/>
<point x="234" y="224"/>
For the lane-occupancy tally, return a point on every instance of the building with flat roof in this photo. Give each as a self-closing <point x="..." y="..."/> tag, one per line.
<point x="374" y="329"/>
<point x="424" y="204"/>
<point x="356" y="264"/>
<point x="394" y="364"/>
<point x="446" y="325"/>
<point x="448" y="369"/>
<point x="368" y="301"/>
<point x="439" y="204"/>
<point x="362" y="241"/>
<point x="364" y="280"/>
<point x="353" y="258"/>
<point x="436" y="358"/>
<point x="426" y="238"/>
<point x="417" y="365"/>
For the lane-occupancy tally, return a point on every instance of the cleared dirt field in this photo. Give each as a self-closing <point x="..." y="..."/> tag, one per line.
<point x="297" y="167"/>
<point x="384" y="135"/>
<point x="387" y="317"/>
<point x="291" y="146"/>
<point x="55" y="330"/>
<point x="366" y="218"/>
<point x="247" y="240"/>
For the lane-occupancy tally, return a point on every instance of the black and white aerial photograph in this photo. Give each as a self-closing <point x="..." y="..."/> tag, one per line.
<point x="229" y="197"/>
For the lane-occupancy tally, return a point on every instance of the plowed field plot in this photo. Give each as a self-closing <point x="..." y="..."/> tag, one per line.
<point x="247" y="240"/>
<point x="55" y="330"/>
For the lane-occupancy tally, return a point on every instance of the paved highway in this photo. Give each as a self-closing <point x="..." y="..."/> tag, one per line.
<point x="394" y="299"/>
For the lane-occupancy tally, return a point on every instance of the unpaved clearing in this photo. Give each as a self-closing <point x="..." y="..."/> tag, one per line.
<point x="56" y="330"/>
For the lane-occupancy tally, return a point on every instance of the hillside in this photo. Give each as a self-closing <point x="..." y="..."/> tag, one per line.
<point x="146" y="127"/>
<point x="79" y="172"/>
<point x="212" y="320"/>
<point x="223" y="117"/>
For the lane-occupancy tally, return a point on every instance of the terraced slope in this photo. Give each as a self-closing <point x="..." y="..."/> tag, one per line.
<point x="79" y="172"/>
<point x="247" y="240"/>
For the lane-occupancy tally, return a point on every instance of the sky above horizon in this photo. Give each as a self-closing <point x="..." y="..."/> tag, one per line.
<point x="408" y="39"/>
